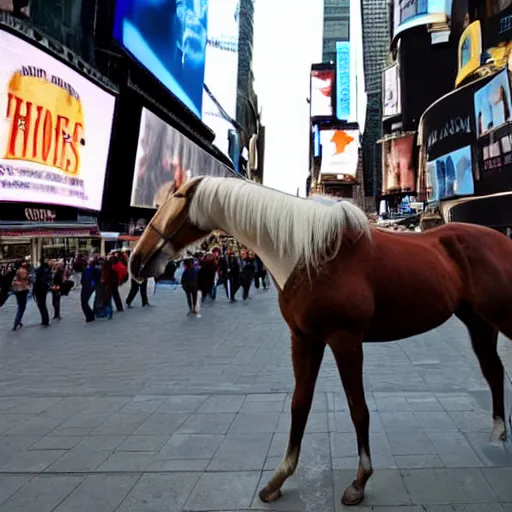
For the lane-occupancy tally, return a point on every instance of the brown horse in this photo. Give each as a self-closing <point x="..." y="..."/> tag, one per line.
<point x="341" y="284"/>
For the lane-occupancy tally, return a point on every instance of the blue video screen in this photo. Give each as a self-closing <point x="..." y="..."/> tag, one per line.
<point x="168" y="37"/>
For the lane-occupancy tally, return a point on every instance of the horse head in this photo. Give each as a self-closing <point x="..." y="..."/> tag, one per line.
<point x="168" y="232"/>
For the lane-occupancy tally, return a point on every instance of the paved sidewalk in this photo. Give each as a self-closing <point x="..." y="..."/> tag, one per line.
<point x="157" y="411"/>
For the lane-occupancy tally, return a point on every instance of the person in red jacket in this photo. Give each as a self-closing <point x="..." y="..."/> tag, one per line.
<point x="121" y="272"/>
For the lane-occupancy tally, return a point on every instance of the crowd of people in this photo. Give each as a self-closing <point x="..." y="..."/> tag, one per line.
<point x="201" y="274"/>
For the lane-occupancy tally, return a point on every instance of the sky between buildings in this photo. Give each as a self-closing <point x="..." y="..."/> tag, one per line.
<point x="287" y="40"/>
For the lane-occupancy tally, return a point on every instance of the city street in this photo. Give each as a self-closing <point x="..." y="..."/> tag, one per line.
<point x="157" y="411"/>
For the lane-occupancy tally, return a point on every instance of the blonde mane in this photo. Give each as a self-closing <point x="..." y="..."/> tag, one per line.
<point x="296" y="228"/>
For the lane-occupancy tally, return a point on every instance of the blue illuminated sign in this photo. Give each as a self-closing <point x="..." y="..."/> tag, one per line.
<point x="343" y="80"/>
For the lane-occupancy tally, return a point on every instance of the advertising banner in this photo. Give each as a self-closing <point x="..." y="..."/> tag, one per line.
<point x="222" y="54"/>
<point x="343" y="80"/>
<point x="340" y="153"/>
<point x="168" y="37"/>
<point x="398" y="166"/>
<point x="451" y="175"/>
<point x="55" y="129"/>
<point x="166" y="156"/>
<point x="493" y="104"/>
<point x="494" y="128"/>
<point x="412" y="13"/>
<point x="322" y="83"/>
<point x="20" y="8"/>
<point x="391" y="100"/>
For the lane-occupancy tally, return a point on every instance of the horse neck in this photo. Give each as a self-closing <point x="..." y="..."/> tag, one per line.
<point x="263" y="245"/>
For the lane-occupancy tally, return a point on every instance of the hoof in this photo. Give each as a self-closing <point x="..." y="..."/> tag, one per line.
<point x="269" y="494"/>
<point x="352" y="496"/>
<point x="499" y="431"/>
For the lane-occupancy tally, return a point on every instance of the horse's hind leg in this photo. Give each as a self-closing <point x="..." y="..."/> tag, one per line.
<point x="307" y="355"/>
<point x="484" y="338"/>
<point x="348" y="352"/>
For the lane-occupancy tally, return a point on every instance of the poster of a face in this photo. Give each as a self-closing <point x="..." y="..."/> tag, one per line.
<point x="165" y="160"/>
<point x="452" y="174"/>
<point x="321" y="92"/>
<point x="168" y="37"/>
<point x="391" y="92"/>
<point x="493" y="104"/>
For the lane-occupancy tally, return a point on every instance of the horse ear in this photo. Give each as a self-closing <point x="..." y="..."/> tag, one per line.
<point x="189" y="187"/>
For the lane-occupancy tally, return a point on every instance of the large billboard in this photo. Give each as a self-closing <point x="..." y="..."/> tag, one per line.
<point x="221" y="68"/>
<point x="340" y="153"/>
<point x="493" y="113"/>
<point x="168" y="37"/>
<point x="343" y="78"/>
<point x="165" y="155"/>
<point x="55" y="129"/>
<point x="322" y="85"/>
<point x="398" y="164"/>
<point x="412" y="13"/>
<point x="221" y="54"/>
<point x="391" y="101"/>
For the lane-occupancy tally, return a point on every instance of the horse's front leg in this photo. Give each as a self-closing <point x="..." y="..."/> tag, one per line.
<point x="307" y="356"/>
<point x="348" y="352"/>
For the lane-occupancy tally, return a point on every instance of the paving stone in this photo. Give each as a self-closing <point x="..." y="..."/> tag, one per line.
<point x="418" y="461"/>
<point x="490" y="454"/>
<point x="435" y="420"/>
<point x="317" y="422"/>
<point x="246" y="423"/>
<point x="473" y="421"/>
<point x="143" y="443"/>
<point x="500" y="479"/>
<point x="83" y="420"/>
<point x="41" y="494"/>
<point x="9" y="485"/>
<point x="411" y="443"/>
<point x="121" y="423"/>
<point x="99" y="494"/>
<point x="182" y="403"/>
<point x="343" y="422"/>
<point x="441" y="486"/>
<point x="457" y="402"/>
<point x="149" y="404"/>
<point x="35" y="425"/>
<point x="161" y="424"/>
<point x="204" y="423"/>
<point x="399" y="421"/>
<point x="127" y="461"/>
<point x="229" y="491"/>
<point x="222" y="404"/>
<point x="192" y="446"/>
<point x="31" y="461"/>
<point x="100" y="443"/>
<point x="160" y="493"/>
<point x="241" y="452"/>
<point x="78" y="460"/>
<point x="56" y="443"/>
<point x="480" y="507"/>
<point x="9" y="421"/>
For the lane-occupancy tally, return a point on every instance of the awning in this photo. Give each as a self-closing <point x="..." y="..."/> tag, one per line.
<point x="48" y="230"/>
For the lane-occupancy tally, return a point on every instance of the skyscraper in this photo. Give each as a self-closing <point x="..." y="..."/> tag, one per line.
<point x="375" y="21"/>
<point x="336" y="27"/>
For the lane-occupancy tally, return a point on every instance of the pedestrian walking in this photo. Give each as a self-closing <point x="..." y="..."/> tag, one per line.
<point x="42" y="286"/>
<point x="190" y="286"/>
<point x="134" y="289"/>
<point x="21" y="290"/>
<point x="90" y="278"/>
<point x="58" y="280"/>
